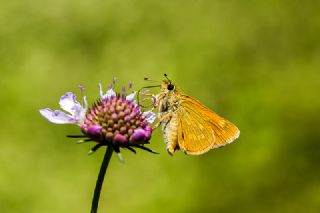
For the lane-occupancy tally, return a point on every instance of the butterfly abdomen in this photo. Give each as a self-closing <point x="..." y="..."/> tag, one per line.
<point x="170" y="134"/>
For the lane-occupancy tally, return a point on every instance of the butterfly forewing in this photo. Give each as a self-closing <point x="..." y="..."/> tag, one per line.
<point x="202" y="129"/>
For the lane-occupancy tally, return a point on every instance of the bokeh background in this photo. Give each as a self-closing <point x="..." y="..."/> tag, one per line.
<point x="254" y="62"/>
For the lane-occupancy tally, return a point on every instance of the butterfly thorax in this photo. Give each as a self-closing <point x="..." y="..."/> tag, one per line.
<point x="168" y="104"/>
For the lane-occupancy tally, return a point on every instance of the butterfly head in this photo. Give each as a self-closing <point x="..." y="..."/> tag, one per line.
<point x="166" y="85"/>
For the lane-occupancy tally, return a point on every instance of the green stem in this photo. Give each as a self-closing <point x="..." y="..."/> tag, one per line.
<point x="103" y="169"/>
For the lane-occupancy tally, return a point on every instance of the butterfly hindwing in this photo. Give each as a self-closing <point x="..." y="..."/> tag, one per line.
<point x="201" y="129"/>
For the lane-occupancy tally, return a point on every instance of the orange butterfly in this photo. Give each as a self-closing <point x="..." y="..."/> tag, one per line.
<point x="188" y="125"/>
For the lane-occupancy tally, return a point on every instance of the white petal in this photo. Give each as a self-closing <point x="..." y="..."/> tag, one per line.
<point x="80" y="112"/>
<point x="109" y="94"/>
<point x="149" y="116"/>
<point x="85" y="103"/>
<point x="131" y="96"/>
<point x="57" y="116"/>
<point x="100" y="91"/>
<point x="68" y="102"/>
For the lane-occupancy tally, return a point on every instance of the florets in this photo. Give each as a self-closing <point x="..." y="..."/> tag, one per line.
<point x="117" y="120"/>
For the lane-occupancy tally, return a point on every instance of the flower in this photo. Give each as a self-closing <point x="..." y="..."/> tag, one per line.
<point x="114" y="119"/>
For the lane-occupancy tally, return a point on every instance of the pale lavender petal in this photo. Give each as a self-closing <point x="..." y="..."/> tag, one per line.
<point x="68" y="102"/>
<point x="109" y="94"/>
<point x="131" y="97"/>
<point x="57" y="116"/>
<point x="100" y="90"/>
<point x="79" y="113"/>
<point x="149" y="116"/>
<point x="85" y="103"/>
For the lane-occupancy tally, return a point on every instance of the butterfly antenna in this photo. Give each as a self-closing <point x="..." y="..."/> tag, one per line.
<point x="166" y="76"/>
<point x="151" y="80"/>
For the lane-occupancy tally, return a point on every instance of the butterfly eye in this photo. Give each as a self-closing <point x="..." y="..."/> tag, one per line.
<point x="170" y="86"/>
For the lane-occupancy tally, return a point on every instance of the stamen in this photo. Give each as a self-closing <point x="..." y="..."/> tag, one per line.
<point x="81" y="88"/>
<point x="114" y="81"/>
<point x="81" y="93"/>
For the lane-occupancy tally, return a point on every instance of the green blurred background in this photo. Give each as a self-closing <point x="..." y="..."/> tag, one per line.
<point x="256" y="63"/>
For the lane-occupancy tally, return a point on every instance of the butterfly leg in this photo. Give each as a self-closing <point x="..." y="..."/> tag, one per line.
<point x="162" y="118"/>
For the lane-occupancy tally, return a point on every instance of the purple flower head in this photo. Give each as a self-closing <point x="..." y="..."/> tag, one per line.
<point x="120" y="120"/>
<point x="114" y="119"/>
